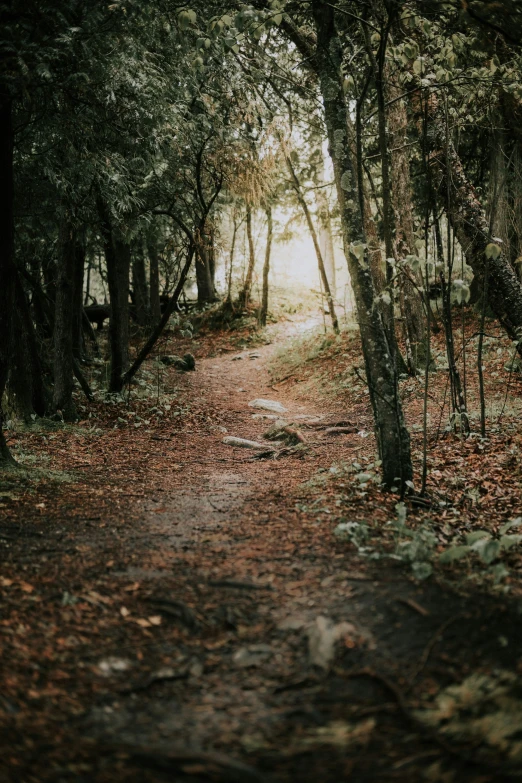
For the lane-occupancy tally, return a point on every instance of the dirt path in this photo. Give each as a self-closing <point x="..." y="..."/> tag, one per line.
<point x="197" y="604"/>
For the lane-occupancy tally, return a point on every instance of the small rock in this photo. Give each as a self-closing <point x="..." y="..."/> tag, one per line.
<point x="268" y="405"/>
<point x="243" y="443"/>
<point x="322" y="637"/>
<point x="254" y="655"/>
<point x="272" y="416"/>
<point x="113" y="665"/>
<point x="236" y="358"/>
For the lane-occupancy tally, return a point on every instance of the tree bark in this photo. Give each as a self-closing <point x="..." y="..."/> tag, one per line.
<point x="468" y="220"/>
<point x="7" y="267"/>
<point x="154" y="281"/>
<point x="244" y="295"/>
<point x="320" y="262"/>
<point x="139" y="286"/>
<point x="28" y="391"/>
<point x="205" y="285"/>
<point x="266" y="266"/>
<point x="118" y="258"/>
<point x="171" y="306"/>
<point x="79" y="267"/>
<point x="63" y="323"/>
<point x="393" y="439"/>
<point x="324" y="221"/>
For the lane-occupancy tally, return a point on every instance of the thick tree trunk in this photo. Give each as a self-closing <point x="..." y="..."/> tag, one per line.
<point x="139" y="287"/>
<point x="7" y="268"/>
<point x="392" y="436"/>
<point x="244" y="295"/>
<point x="63" y="323"/>
<point x="266" y="266"/>
<point x="118" y="258"/>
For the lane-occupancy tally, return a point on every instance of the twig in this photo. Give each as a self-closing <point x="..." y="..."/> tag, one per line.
<point x="429" y="647"/>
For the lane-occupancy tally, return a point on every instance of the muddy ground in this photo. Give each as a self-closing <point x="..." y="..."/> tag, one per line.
<point x="163" y="606"/>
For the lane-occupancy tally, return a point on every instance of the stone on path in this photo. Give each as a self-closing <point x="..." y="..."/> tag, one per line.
<point x="268" y="405"/>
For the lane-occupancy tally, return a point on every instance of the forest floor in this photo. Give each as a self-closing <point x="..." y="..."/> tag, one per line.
<point x="174" y="608"/>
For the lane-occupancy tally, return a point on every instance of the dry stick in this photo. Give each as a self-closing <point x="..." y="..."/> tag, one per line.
<point x="429" y="647"/>
<point x="156" y="334"/>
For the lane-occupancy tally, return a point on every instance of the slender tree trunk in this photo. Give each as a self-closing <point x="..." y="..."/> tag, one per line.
<point x="7" y="268"/>
<point x="266" y="266"/>
<point x="118" y="258"/>
<point x="154" y="281"/>
<point x="409" y="293"/>
<point x="28" y="393"/>
<point x="320" y="262"/>
<point x="228" y="299"/>
<point x="139" y="286"/>
<point x="244" y="296"/>
<point x="79" y="267"/>
<point x="325" y="221"/>
<point x="392" y="436"/>
<point x="206" y="291"/>
<point x="468" y="220"/>
<point x="171" y="306"/>
<point x="64" y="322"/>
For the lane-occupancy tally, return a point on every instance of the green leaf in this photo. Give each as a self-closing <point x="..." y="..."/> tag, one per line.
<point x="421" y="570"/>
<point x="511" y="524"/>
<point x="471" y="538"/>
<point x="506" y="542"/>
<point x="486" y="549"/>
<point x="454" y="553"/>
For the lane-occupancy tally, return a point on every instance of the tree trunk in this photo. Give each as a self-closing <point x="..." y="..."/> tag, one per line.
<point x="410" y="298"/>
<point x="139" y="286"/>
<point x="469" y="223"/>
<point x="266" y="266"/>
<point x="79" y="267"/>
<point x="171" y="306"/>
<point x="228" y="299"/>
<point x="7" y="268"/>
<point x="154" y="281"/>
<point x="28" y="392"/>
<point x="118" y="258"/>
<point x="63" y="323"/>
<point x="322" y="271"/>
<point x="244" y="295"/>
<point x="393" y="440"/>
<point x="206" y="291"/>
<point x="325" y="222"/>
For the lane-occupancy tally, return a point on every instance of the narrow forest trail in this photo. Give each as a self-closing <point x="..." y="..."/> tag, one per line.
<point x="191" y="601"/>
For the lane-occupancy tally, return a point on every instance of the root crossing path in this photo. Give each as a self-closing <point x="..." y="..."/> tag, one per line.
<point x="182" y="610"/>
